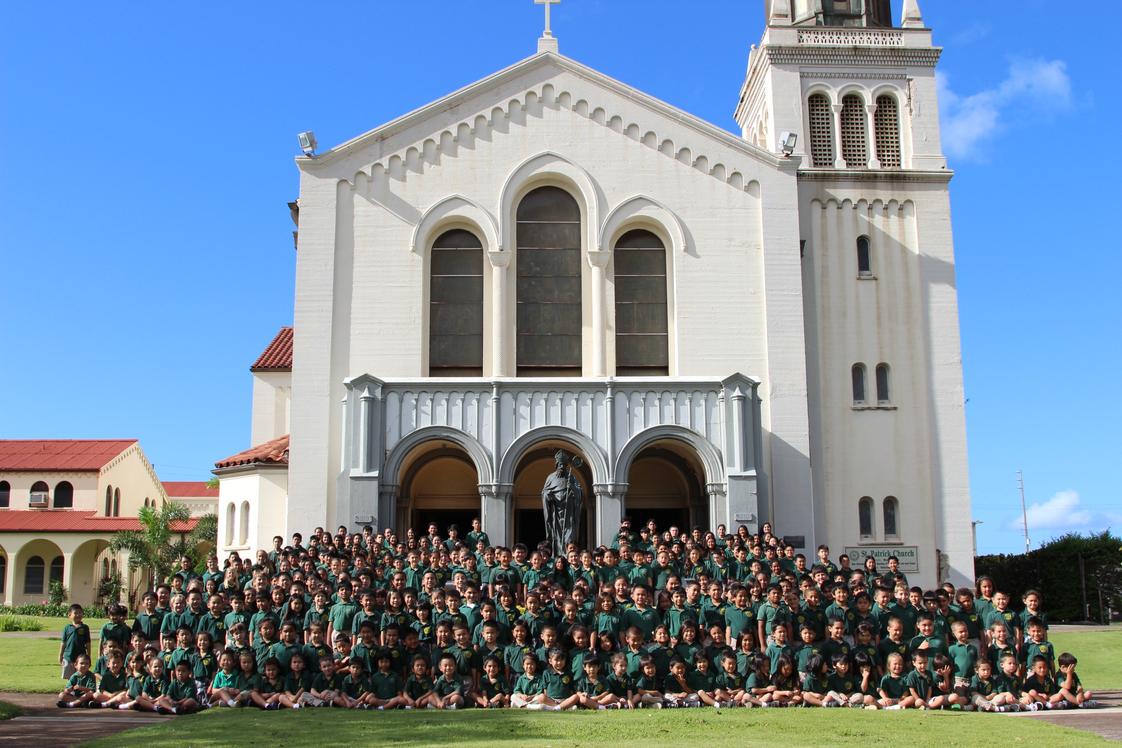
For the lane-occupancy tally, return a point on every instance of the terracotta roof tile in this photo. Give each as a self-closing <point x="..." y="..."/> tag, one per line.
<point x="60" y="454"/>
<point x="189" y="489"/>
<point x="67" y="520"/>
<point x="273" y="452"/>
<point x="278" y="354"/>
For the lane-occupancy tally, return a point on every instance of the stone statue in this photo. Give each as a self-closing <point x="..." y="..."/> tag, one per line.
<point x="561" y="502"/>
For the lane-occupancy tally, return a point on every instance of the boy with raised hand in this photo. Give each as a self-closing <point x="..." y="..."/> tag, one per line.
<point x="1070" y="687"/>
<point x="925" y="693"/>
<point x="75" y="642"/>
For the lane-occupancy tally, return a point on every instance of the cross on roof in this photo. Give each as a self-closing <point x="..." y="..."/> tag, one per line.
<point x="547" y="4"/>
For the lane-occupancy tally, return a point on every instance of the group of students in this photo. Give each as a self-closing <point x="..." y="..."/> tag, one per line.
<point x="657" y="620"/>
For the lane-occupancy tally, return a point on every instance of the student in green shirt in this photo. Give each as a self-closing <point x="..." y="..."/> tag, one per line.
<point x="449" y="689"/>
<point x="80" y="686"/>
<point x="925" y="692"/>
<point x="493" y="691"/>
<point x="113" y="688"/>
<point x="75" y="642"/>
<point x="228" y="682"/>
<point x="778" y="648"/>
<point x="418" y="690"/>
<point x="528" y="688"/>
<point x="385" y="684"/>
<point x="297" y="683"/>
<point x="963" y="653"/>
<point x="148" y="619"/>
<point x="270" y="690"/>
<point x="894" y="693"/>
<point x="180" y="696"/>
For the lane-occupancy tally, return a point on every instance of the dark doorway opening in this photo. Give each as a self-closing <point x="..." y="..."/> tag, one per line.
<point x="529" y="527"/>
<point x="461" y="518"/>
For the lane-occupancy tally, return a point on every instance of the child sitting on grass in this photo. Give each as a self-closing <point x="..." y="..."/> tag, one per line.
<point x="80" y="687"/>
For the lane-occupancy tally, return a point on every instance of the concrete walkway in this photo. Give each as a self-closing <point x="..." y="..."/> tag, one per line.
<point x="44" y="724"/>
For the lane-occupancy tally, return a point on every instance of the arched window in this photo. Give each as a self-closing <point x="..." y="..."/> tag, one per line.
<point x="105" y="568"/>
<point x="855" y="138"/>
<point x="116" y="502"/>
<point x="243" y="531"/>
<point x="64" y="495"/>
<point x="33" y="576"/>
<point x="549" y="284"/>
<point x="858" y="373"/>
<point x="456" y="305"/>
<point x="864" y="263"/>
<point x="5" y="494"/>
<point x="821" y="130"/>
<point x="886" y="120"/>
<point x="642" y="332"/>
<point x="40" y="494"/>
<point x="109" y="501"/>
<point x="865" y="517"/>
<point x="891" y="512"/>
<point x="230" y="520"/>
<point x="882" y="383"/>
<point x="56" y="569"/>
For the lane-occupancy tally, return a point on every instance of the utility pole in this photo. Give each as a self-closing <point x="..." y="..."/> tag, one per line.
<point x="1024" y="511"/>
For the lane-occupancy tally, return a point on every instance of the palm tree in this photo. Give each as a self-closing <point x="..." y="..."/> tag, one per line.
<point x="156" y="546"/>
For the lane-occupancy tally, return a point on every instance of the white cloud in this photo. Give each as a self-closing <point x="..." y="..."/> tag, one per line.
<point x="968" y="121"/>
<point x="1060" y="512"/>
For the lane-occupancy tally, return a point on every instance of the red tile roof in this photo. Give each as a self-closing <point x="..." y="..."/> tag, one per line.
<point x="60" y="454"/>
<point x="67" y="520"/>
<point x="273" y="452"/>
<point x="189" y="489"/>
<point x="278" y="355"/>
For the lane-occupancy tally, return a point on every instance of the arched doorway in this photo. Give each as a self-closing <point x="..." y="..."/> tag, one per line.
<point x="439" y="484"/>
<point x="84" y="576"/>
<point x="666" y="483"/>
<point x="529" y="476"/>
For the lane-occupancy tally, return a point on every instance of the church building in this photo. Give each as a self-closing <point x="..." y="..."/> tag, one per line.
<point x="726" y="328"/>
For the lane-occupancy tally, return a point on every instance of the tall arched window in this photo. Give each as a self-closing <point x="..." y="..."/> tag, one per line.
<point x="109" y="501"/>
<point x="456" y="305"/>
<point x="64" y="495"/>
<point x="230" y="520"/>
<point x="549" y="284"/>
<point x="116" y="502"/>
<point x="33" y="575"/>
<point x="56" y="569"/>
<point x="5" y="494"/>
<point x="105" y="568"/>
<point x="886" y="120"/>
<point x="865" y="517"/>
<point x="882" y="383"/>
<point x="855" y="138"/>
<point x="821" y="119"/>
<point x="642" y="331"/>
<point x="891" y="512"/>
<point x="864" y="262"/>
<point x="40" y="494"/>
<point x="243" y="531"/>
<point x="858" y="373"/>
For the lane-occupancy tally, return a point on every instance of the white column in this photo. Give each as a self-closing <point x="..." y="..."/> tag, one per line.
<point x="870" y="111"/>
<point x="839" y="162"/>
<point x="501" y="326"/>
<point x="10" y="575"/>
<point x="609" y="510"/>
<point x="67" y="575"/>
<point x="495" y="511"/>
<point x="598" y="262"/>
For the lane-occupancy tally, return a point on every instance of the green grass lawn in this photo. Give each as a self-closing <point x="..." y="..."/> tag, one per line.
<point x="1099" y="654"/>
<point x="706" y="727"/>
<point x="7" y="711"/>
<point x="29" y="663"/>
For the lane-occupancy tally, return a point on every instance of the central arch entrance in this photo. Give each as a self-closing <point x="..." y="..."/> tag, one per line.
<point x="530" y="474"/>
<point x="666" y="483"/>
<point x="439" y="484"/>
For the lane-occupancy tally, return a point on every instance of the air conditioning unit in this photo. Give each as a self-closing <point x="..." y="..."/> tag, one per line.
<point x="38" y="501"/>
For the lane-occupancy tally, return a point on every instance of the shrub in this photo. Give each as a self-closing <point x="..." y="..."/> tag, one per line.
<point x="11" y="623"/>
<point x="109" y="589"/>
<point x="56" y="593"/>
<point x="51" y="611"/>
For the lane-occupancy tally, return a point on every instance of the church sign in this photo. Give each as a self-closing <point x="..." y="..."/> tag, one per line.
<point x="907" y="555"/>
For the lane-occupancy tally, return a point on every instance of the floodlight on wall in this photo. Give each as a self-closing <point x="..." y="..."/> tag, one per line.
<point x="307" y="142"/>
<point x="787" y="142"/>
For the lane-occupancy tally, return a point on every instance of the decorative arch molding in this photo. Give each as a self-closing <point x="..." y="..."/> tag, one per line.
<point x="549" y="168"/>
<point x="640" y="211"/>
<point x="597" y="460"/>
<point x="467" y="442"/>
<point x="448" y="213"/>
<point x="706" y="452"/>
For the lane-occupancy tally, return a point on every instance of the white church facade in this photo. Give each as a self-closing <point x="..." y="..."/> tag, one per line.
<point x="726" y="328"/>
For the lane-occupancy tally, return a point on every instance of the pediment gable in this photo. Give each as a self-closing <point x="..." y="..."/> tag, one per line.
<point x="418" y="139"/>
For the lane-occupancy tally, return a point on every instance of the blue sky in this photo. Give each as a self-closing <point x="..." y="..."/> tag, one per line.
<point x="145" y="245"/>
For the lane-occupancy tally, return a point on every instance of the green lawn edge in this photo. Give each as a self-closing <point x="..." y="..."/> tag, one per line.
<point x="7" y="711"/>
<point x="730" y="727"/>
